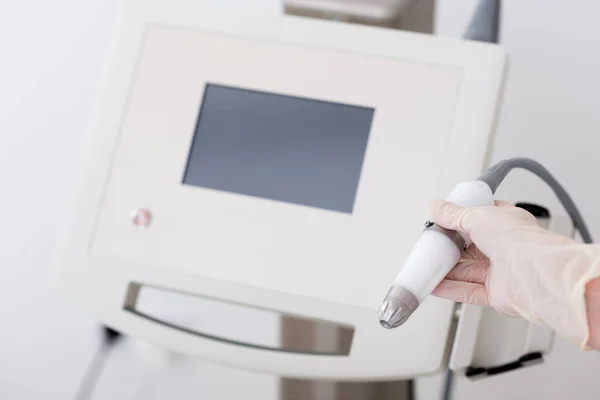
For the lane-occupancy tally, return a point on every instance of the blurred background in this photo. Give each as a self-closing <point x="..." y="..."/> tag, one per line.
<point x="50" y="57"/>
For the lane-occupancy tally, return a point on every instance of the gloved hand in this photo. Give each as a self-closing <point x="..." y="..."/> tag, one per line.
<point x="521" y="269"/>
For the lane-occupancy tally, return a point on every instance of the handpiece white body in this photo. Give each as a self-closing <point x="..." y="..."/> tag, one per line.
<point x="435" y="253"/>
<point x="430" y="260"/>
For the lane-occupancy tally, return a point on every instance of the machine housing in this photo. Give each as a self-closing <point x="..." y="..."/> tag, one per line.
<point x="136" y="225"/>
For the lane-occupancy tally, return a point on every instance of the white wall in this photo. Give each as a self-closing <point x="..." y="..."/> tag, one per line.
<point x="49" y="58"/>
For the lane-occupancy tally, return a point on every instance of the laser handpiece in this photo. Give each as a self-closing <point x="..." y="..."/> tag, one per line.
<point x="435" y="253"/>
<point x="438" y="250"/>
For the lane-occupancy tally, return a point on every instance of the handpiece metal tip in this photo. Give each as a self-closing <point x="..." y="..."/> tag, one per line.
<point x="398" y="305"/>
<point x="393" y="313"/>
<point x="385" y="324"/>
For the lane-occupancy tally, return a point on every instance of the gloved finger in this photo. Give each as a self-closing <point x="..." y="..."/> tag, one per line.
<point x="469" y="271"/>
<point x="451" y="216"/>
<point x="503" y="204"/>
<point x="475" y="256"/>
<point x="458" y="218"/>
<point x="462" y="292"/>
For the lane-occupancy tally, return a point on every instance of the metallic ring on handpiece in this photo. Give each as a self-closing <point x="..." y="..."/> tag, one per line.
<point x="454" y="236"/>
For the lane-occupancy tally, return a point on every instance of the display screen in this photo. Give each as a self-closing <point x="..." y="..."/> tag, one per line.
<point x="277" y="147"/>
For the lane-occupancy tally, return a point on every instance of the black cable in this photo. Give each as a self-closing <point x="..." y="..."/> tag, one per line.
<point x="96" y="365"/>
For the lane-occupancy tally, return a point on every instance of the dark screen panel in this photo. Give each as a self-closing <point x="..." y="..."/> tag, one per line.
<point x="278" y="147"/>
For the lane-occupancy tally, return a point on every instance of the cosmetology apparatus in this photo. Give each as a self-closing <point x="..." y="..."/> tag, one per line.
<point x="260" y="162"/>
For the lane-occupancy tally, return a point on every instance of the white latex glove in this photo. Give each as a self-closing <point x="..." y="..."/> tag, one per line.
<point x="521" y="269"/>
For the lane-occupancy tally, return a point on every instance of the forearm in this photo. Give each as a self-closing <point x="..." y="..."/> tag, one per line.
<point x="592" y="300"/>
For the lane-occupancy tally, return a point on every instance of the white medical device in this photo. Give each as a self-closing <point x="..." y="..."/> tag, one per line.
<point x="283" y="164"/>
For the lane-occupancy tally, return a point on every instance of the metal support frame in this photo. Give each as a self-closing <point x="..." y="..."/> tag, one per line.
<point x="417" y="16"/>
